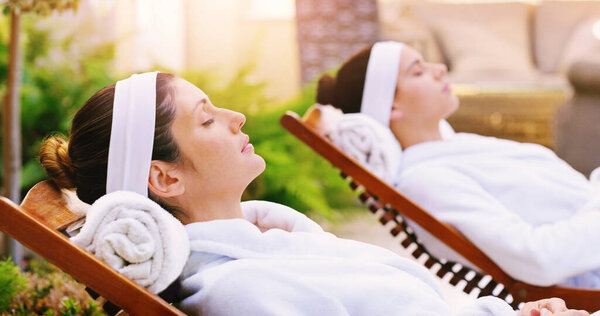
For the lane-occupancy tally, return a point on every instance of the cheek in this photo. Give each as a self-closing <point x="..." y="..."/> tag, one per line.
<point x="414" y="96"/>
<point x="215" y="156"/>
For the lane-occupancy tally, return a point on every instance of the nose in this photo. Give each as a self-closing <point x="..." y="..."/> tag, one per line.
<point x="439" y="70"/>
<point x="237" y="121"/>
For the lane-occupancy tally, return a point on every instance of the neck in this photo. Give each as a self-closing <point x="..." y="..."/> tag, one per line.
<point x="412" y="134"/>
<point x="212" y="206"/>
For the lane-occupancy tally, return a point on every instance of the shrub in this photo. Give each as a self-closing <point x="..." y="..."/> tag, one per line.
<point x="51" y="90"/>
<point x="11" y="283"/>
<point x="42" y="290"/>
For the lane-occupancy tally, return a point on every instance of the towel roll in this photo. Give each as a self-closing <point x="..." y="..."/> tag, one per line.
<point x="370" y="143"/>
<point x="137" y="237"/>
<point x="373" y="145"/>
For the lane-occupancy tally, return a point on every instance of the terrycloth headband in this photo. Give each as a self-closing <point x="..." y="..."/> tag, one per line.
<point x="132" y="134"/>
<point x="380" y="81"/>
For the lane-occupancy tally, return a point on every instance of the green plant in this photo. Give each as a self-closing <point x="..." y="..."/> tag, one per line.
<point x="51" y="90"/>
<point x="43" y="7"/>
<point x="11" y="283"/>
<point x="42" y="290"/>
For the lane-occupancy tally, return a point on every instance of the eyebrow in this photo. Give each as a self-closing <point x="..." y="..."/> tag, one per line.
<point x="416" y="61"/>
<point x="201" y="102"/>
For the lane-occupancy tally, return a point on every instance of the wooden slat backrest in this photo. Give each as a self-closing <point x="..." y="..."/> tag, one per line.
<point x="464" y="278"/>
<point x="34" y="226"/>
<point x="588" y="299"/>
<point x="46" y="202"/>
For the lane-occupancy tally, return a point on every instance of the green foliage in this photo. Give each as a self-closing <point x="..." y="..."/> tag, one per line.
<point x="43" y="290"/>
<point x="11" y="283"/>
<point x="43" y="7"/>
<point x="40" y="268"/>
<point x="51" y="90"/>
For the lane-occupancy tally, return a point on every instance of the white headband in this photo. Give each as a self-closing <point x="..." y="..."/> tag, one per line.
<point x="380" y="81"/>
<point x="132" y="134"/>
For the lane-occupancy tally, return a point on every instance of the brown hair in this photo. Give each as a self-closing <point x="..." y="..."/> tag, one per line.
<point x="346" y="90"/>
<point x="81" y="161"/>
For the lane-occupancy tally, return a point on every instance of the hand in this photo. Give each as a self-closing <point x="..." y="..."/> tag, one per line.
<point x="549" y="307"/>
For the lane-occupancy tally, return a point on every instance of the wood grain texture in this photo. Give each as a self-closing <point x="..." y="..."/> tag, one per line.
<point x="35" y="226"/>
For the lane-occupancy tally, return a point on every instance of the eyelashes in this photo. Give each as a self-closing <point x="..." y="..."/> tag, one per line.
<point x="208" y="122"/>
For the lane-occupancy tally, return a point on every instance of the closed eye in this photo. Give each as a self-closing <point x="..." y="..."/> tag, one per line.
<point x="208" y="122"/>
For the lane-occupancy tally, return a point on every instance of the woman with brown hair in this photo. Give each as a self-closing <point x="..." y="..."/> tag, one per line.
<point x="159" y="134"/>
<point x="533" y="214"/>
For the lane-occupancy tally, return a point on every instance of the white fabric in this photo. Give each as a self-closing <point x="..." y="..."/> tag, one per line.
<point x="132" y="134"/>
<point x="371" y="144"/>
<point x="595" y="178"/>
<point x="266" y="215"/>
<point x="235" y="269"/>
<point x="529" y="211"/>
<point x="138" y="238"/>
<point x="380" y="81"/>
<point x="446" y="130"/>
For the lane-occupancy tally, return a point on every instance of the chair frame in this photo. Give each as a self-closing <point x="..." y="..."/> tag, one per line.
<point x="577" y="298"/>
<point x="37" y="224"/>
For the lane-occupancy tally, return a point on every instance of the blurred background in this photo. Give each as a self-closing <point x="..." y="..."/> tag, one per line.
<point x="527" y="70"/>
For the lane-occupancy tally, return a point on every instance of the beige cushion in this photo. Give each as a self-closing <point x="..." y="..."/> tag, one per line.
<point x="398" y="24"/>
<point x="582" y="44"/>
<point x="554" y="22"/>
<point x="483" y="40"/>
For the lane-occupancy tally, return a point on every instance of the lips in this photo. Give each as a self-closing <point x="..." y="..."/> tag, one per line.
<point x="247" y="146"/>
<point x="446" y="88"/>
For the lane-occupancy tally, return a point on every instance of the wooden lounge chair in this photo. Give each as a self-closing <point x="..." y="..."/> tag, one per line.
<point x="392" y="206"/>
<point x="38" y="223"/>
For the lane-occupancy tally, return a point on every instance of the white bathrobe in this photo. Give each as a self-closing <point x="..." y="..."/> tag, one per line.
<point x="235" y="269"/>
<point x="528" y="210"/>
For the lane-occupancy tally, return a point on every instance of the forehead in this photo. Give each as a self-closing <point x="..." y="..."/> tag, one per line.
<point x="408" y="57"/>
<point x="187" y="94"/>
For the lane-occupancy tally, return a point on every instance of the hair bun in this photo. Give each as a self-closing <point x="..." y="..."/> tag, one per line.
<point x="54" y="156"/>
<point x="326" y="90"/>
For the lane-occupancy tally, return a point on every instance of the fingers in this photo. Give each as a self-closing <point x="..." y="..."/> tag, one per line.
<point x="568" y="312"/>
<point x="529" y="309"/>
<point x="554" y="304"/>
<point x="546" y="307"/>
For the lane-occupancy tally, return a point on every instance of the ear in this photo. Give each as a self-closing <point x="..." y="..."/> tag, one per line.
<point x="165" y="179"/>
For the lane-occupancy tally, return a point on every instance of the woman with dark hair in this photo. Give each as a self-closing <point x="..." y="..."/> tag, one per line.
<point x="534" y="215"/>
<point x="157" y="134"/>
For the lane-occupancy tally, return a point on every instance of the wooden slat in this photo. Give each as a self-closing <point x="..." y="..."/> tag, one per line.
<point x="79" y="263"/>
<point x="46" y="202"/>
<point x="349" y="166"/>
<point x="588" y="299"/>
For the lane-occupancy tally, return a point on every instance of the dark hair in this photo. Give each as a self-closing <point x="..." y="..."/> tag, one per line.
<point x="346" y="90"/>
<point x="81" y="161"/>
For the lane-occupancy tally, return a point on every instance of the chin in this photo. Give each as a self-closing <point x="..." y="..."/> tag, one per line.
<point x="452" y="106"/>
<point x="259" y="165"/>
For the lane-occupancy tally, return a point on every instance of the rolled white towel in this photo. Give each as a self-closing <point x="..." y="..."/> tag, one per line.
<point x="137" y="237"/>
<point x="370" y="143"/>
<point x="374" y="145"/>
